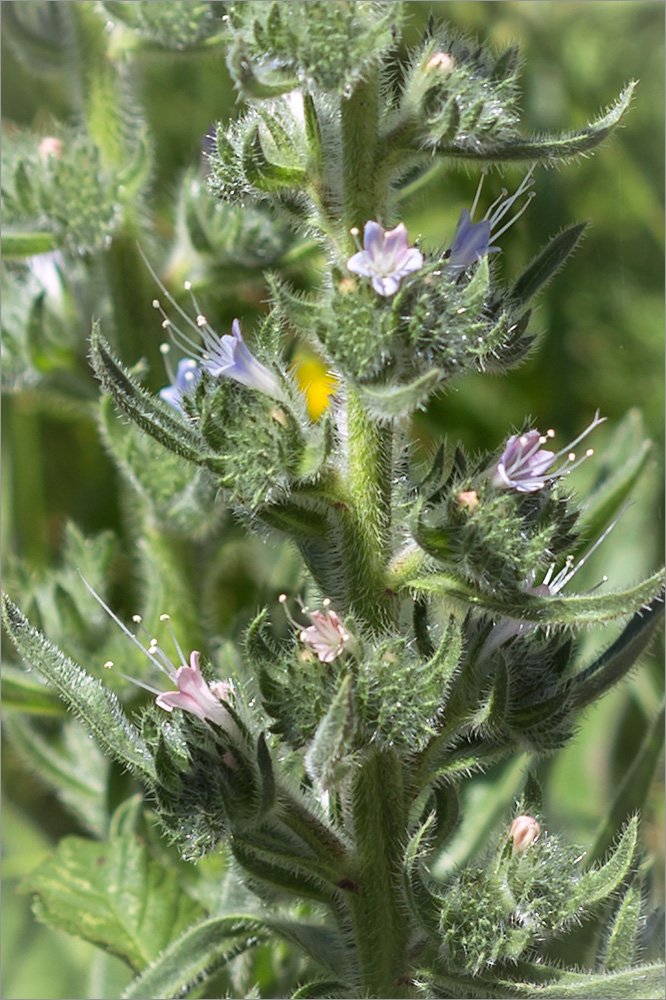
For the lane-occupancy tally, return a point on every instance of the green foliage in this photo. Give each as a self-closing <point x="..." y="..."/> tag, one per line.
<point x="113" y="894"/>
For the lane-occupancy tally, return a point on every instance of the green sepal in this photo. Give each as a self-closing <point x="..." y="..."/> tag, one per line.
<point x="393" y="401"/>
<point x="326" y="760"/>
<point x="197" y="954"/>
<point x="261" y="165"/>
<point x="572" y="611"/>
<point x="598" y="883"/>
<point x="150" y="413"/>
<point x="490" y="717"/>
<point x="265" y="765"/>
<point x="616" y="661"/>
<point x="257" y="81"/>
<point x="97" y="707"/>
<point x="546" y="148"/>
<point x="546" y="264"/>
<point x="621" y="942"/>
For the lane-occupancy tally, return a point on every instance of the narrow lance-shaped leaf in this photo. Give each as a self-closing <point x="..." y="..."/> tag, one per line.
<point x="619" y="658"/>
<point x="95" y="705"/>
<point x="545" y="265"/>
<point x="645" y="982"/>
<point x="151" y="414"/>
<point x="544" y="147"/>
<point x="621" y="944"/>
<point x="199" y="952"/>
<point x="572" y="611"/>
<point x="633" y="789"/>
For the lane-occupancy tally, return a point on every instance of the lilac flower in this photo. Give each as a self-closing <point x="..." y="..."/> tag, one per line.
<point x="386" y="258"/>
<point x="226" y="356"/>
<point x="229" y="356"/>
<point x="193" y="694"/>
<point x="523" y="465"/>
<point x="185" y="380"/>
<point x="472" y="239"/>
<point x="326" y="635"/>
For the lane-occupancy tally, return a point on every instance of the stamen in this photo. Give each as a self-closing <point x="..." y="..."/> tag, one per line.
<point x="478" y="194"/>
<point x="123" y="627"/>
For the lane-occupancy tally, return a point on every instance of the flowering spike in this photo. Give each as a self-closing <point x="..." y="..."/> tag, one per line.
<point x="386" y="257"/>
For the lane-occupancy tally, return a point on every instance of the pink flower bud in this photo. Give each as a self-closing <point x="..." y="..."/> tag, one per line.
<point x="524" y="832"/>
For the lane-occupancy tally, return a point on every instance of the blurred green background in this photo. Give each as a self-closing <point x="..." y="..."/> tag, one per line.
<point x="602" y="320"/>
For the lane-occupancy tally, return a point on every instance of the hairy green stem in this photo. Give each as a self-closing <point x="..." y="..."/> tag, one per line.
<point x="369" y="477"/>
<point x="362" y="195"/>
<point x="378" y="909"/>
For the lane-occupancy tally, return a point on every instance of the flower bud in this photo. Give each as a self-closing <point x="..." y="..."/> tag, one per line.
<point x="524" y="832"/>
<point x="468" y="500"/>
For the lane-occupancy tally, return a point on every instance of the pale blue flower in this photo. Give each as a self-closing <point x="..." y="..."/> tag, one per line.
<point x="185" y="380"/>
<point x="229" y="356"/>
<point x="472" y="239"/>
<point x="386" y="257"/>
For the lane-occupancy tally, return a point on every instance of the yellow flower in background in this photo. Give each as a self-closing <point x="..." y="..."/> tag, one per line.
<point x="314" y="380"/>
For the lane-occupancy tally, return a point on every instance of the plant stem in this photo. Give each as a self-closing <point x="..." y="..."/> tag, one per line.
<point x="369" y="474"/>
<point x="378" y="908"/>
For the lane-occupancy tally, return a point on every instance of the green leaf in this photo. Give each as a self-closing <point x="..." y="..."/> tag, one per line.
<point x="18" y="245"/>
<point x="320" y="988"/>
<point x="25" y="695"/>
<point x="195" y="955"/>
<point x="621" y="944"/>
<point x="112" y="894"/>
<point x="619" y="658"/>
<point x="573" y="611"/>
<point x="390" y="402"/>
<point x="542" y="148"/>
<point x="97" y="707"/>
<point x="546" y="264"/>
<point x="645" y="982"/>
<point x="69" y="763"/>
<point x="622" y="462"/>
<point x="151" y="414"/>
<point x="598" y="883"/>
<point x="633" y="789"/>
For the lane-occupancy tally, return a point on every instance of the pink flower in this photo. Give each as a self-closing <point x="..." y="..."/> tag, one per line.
<point x="524" y="832"/>
<point x="194" y="695"/>
<point x="327" y="636"/>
